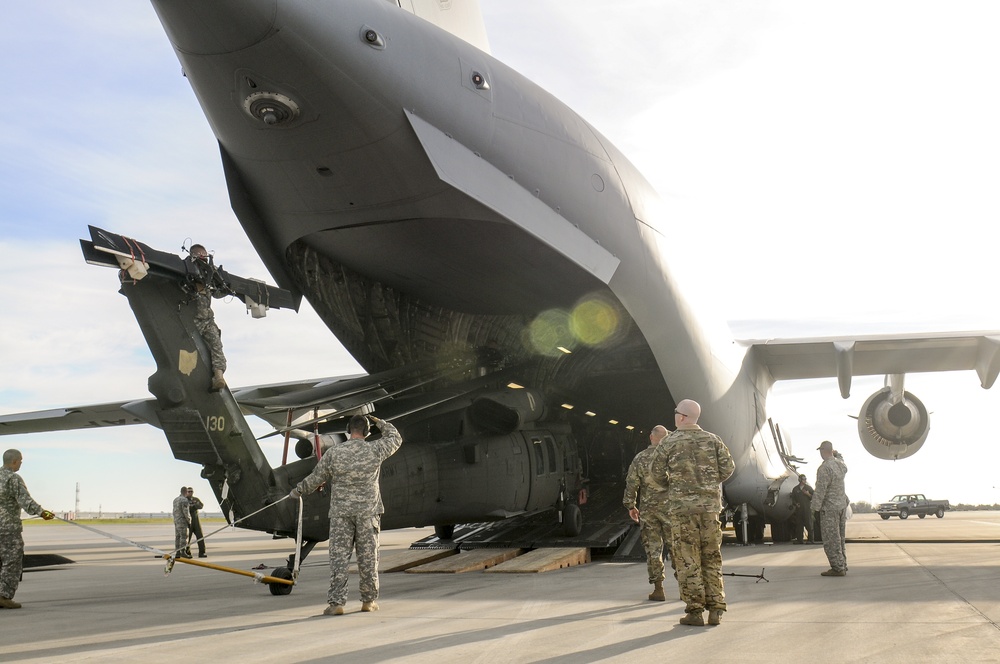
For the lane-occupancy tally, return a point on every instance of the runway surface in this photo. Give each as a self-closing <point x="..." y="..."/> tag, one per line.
<point x="917" y="591"/>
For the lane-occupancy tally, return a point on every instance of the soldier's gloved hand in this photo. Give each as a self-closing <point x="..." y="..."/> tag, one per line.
<point x="376" y="421"/>
<point x="47" y="515"/>
<point x="294" y="494"/>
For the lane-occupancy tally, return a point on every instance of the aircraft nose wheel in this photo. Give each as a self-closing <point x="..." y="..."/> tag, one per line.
<point x="572" y="520"/>
<point x="281" y="588"/>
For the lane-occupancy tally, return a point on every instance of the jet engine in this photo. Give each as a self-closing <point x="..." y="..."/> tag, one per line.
<point x="893" y="424"/>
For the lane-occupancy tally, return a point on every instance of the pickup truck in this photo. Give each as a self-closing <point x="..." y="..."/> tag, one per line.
<point x="906" y="504"/>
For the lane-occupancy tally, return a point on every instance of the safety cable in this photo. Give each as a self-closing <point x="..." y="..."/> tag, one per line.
<point x="229" y="525"/>
<point x="123" y="540"/>
<point x="171" y="559"/>
<point x="171" y="554"/>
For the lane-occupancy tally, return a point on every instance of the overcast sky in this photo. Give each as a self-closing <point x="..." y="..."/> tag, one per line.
<point x="829" y="168"/>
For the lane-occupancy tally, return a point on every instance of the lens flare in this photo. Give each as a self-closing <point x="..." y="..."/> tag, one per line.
<point x="594" y="322"/>
<point x="548" y="331"/>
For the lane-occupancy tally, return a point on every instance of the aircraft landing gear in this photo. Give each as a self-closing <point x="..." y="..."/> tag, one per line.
<point x="569" y="513"/>
<point x="572" y="520"/>
<point x="286" y="571"/>
<point x="281" y="588"/>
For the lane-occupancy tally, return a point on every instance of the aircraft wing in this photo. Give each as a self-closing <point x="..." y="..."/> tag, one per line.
<point x="845" y="357"/>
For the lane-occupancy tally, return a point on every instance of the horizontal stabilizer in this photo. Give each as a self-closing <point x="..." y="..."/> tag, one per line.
<point x="68" y="419"/>
<point x="118" y="251"/>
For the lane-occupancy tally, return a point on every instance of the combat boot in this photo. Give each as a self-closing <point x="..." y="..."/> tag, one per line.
<point x="715" y="616"/>
<point x="657" y="594"/>
<point x="368" y="607"/>
<point x="7" y="603"/>
<point x="694" y="618"/>
<point x="218" y="382"/>
<point x="833" y="572"/>
<point x="334" y="610"/>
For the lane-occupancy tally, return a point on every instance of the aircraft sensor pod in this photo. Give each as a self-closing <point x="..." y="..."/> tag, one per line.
<point x="480" y="81"/>
<point x="271" y="108"/>
<point x="371" y="37"/>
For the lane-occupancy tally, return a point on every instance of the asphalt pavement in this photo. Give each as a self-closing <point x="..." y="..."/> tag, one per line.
<point x="917" y="591"/>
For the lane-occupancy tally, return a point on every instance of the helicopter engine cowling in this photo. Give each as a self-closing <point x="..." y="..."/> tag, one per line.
<point x="891" y="430"/>
<point x="507" y="411"/>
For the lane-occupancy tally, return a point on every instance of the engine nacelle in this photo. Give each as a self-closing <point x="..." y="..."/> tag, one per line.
<point x="893" y="428"/>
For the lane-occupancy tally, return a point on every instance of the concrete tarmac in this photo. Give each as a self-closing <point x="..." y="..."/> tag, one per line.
<point x="917" y="591"/>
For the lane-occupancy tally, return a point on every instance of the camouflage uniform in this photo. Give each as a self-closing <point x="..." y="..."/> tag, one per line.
<point x="351" y="472"/>
<point x="654" y="527"/>
<point x="14" y="497"/>
<point x="204" y="321"/>
<point x="830" y="498"/>
<point x="182" y="523"/>
<point x="697" y="462"/>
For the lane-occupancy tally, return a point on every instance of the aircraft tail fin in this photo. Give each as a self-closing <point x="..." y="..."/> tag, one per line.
<point x="462" y="18"/>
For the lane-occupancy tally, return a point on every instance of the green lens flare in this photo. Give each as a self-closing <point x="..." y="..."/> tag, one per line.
<point x="549" y="331"/>
<point x="594" y="322"/>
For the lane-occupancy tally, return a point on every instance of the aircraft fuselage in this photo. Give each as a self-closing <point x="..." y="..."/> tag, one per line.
<point x="424" y="197"/>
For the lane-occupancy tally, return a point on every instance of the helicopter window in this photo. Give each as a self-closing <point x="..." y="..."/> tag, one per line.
<point x="552" y="454"/>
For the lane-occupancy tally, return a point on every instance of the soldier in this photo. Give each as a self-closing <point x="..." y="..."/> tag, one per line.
<point x="351" y="472"/>
<point x="696" y="462"/>
<point x="830" y="498"/>
<point x="182" y="524"/>
<point x="195" y="505"/>
<point x="802" y="497"/>
<point x="204" y="317"/>
<point x="654" y="528"/>
<point x="14" y="497"/>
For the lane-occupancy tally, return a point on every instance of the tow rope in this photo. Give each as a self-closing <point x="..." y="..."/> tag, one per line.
<point x="123" y="540"/>
<point x="171" y="557"/>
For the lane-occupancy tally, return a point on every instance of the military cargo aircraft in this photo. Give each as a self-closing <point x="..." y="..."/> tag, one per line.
<point x="493" y="262"/>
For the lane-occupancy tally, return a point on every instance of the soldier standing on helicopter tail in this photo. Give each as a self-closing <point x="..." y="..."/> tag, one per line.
<point x="204" y="317"/>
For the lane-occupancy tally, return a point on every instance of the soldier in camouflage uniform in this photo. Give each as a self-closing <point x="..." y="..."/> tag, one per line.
<point x="14" y="497"/>
<point x="654" y="528"/>
<point x="182" y="524"/>
<point x="696" y="463"/>
<point x="204" y="317"/>
<point x="830" y="498"/>
<point x="351" y="473"/>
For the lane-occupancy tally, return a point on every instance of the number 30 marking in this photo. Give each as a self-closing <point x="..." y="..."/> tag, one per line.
<point x="216" y="423"/>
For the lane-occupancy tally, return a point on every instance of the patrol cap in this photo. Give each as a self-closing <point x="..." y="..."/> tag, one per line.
<point x="825" y="445"/>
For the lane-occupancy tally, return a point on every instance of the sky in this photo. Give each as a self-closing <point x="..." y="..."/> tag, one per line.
<point x="828" y="168"/>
